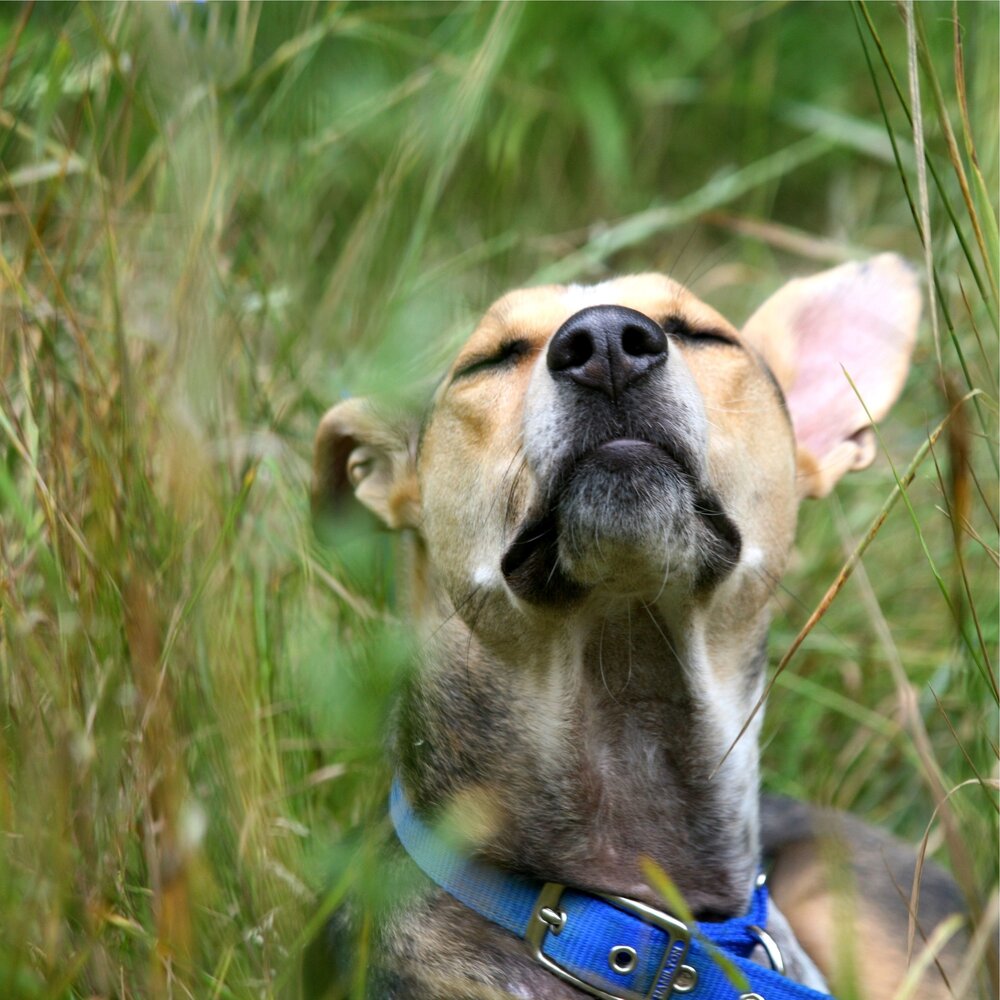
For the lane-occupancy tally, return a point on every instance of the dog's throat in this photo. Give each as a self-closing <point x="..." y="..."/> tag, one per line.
<point x="580" y="777"/>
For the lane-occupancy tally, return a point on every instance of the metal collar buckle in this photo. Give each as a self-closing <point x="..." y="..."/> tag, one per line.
<point x="547" y="918"/>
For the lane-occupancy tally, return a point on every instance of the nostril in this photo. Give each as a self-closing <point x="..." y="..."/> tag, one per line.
<point x="639" y="341"/>
<point x="580" y="349"/>
<point x="571" y="348"/>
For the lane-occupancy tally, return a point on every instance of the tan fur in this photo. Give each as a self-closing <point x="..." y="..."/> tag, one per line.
<point x="857" y="943"/>
<point x="583" y="674"/>
<point x="475" y="430"/>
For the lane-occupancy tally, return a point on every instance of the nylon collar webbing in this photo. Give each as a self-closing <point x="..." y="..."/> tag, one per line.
<point x="606" y="946"/>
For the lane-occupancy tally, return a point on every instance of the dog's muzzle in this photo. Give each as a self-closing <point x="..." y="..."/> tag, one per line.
<point x="617" y="437"/>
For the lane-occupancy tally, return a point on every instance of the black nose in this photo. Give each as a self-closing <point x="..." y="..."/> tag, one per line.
<point x="606" y="348"/>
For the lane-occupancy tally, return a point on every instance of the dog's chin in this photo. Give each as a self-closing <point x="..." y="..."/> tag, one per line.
<point x="628" y="518"/>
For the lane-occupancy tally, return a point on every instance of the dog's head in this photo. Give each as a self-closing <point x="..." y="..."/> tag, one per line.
<point x="622" y="441"/>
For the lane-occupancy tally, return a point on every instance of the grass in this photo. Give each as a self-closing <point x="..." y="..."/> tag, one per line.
<point x="215" y="220"/>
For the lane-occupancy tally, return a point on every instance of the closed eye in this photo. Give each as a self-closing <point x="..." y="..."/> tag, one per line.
<point x="676" y="326"/>
<point x="504" y="357"/>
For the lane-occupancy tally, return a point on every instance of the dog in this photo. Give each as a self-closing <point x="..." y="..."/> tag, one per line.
<point x="597" y="507"/>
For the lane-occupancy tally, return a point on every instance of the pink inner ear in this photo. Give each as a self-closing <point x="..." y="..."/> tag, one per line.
<point x="865" y="336"/>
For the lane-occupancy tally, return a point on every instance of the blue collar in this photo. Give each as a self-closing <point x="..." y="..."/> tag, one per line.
<point x="606" y="946"/>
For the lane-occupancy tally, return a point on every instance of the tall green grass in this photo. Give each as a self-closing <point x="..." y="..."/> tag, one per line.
<point x="215" y="220"/>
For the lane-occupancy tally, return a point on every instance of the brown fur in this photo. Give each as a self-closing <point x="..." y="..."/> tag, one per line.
<point x="593" y="539"/>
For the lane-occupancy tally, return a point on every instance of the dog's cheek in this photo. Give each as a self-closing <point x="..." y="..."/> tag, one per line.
<point x="755" y="486"/>
<point x="465" y="494"/>
<point x="460" y="542"/>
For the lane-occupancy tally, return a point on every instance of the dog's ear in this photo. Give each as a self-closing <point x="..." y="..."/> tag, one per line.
<point x="859" y="319"/>
<point x="363" y="450"/>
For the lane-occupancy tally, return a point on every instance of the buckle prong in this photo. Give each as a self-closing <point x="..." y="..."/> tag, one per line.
<point x="554" y="918"/>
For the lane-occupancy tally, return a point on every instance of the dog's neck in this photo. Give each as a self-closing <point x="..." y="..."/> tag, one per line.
<point x="597" y="748"/>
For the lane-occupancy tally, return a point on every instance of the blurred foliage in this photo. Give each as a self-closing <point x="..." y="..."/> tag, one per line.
<point x="217" y="219"/>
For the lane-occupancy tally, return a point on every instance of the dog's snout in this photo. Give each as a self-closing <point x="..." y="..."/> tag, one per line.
<point x="606" y="348"/>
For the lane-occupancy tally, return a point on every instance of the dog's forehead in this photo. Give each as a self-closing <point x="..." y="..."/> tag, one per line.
<point x="534" y="314"/>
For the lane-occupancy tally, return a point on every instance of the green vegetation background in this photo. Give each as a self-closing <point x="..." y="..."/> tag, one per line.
<point x="216" y="220"/>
